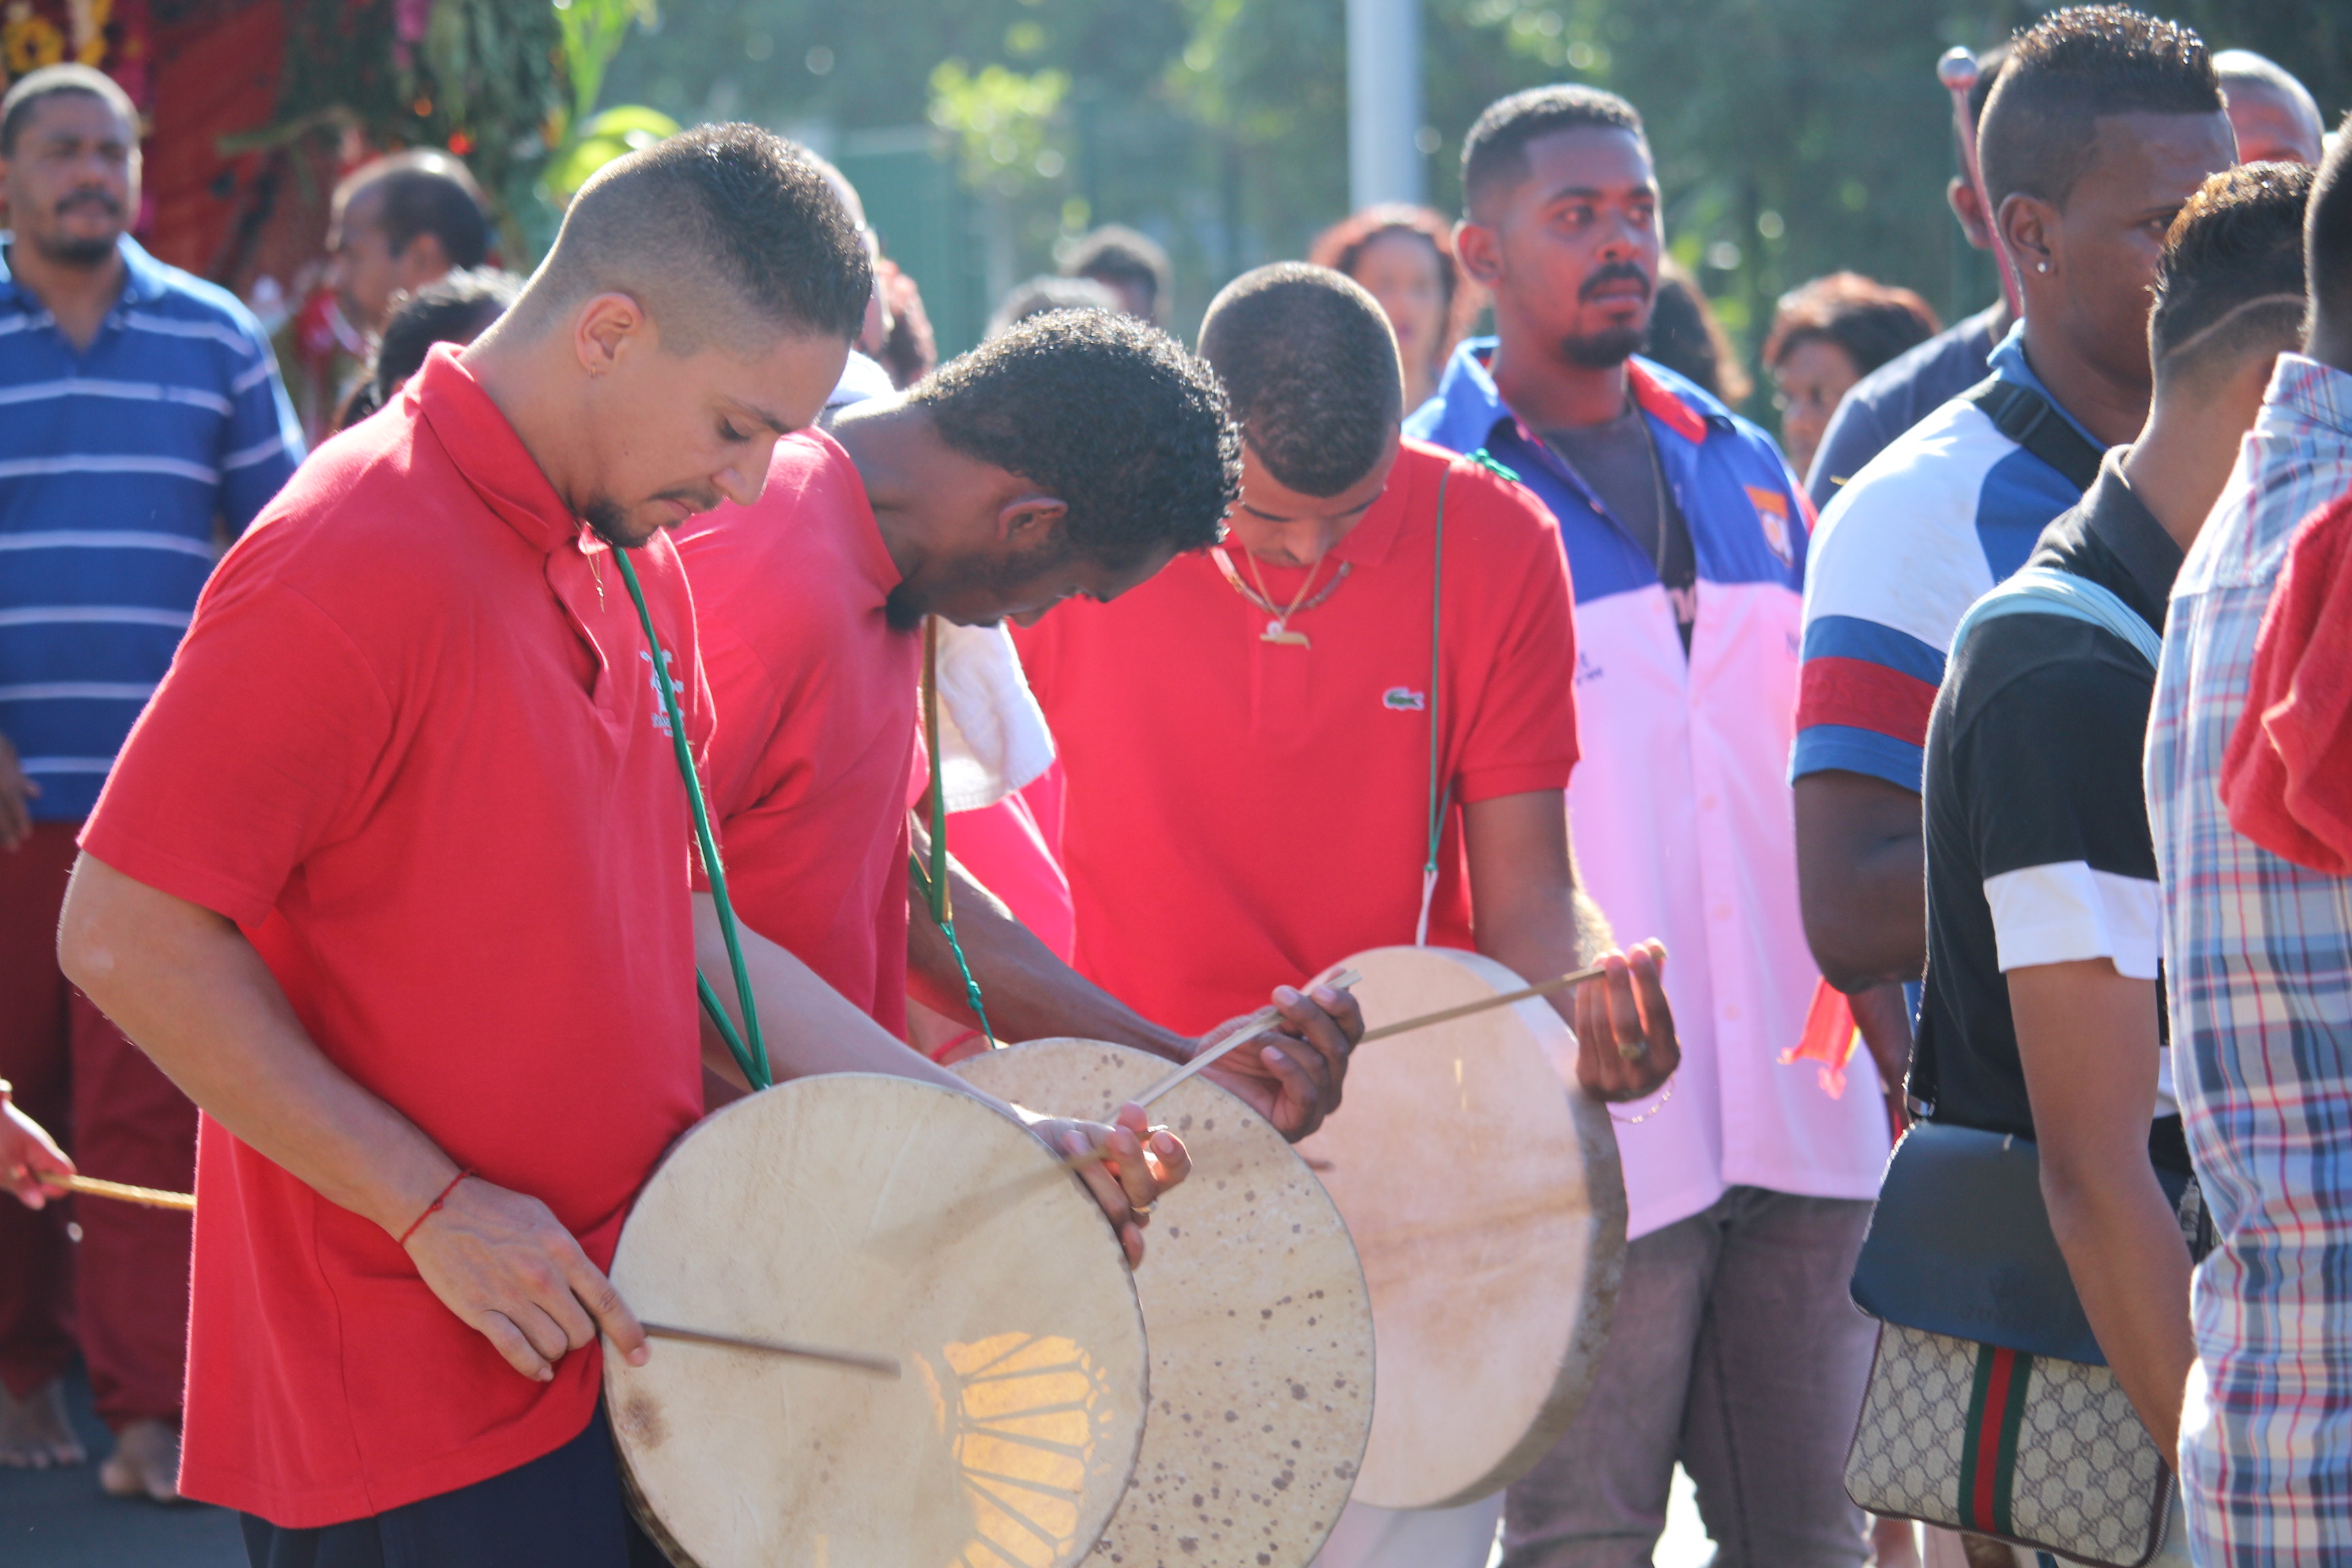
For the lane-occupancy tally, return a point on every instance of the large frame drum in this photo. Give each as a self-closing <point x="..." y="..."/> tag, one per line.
<point x="886" y="1216"/>
<point x="1488" y="1206"/>
<point x="1260" y="1326"/>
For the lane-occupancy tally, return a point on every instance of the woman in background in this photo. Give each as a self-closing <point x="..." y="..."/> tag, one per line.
<point x="1827" y="334"/>
<point x="1403" y="257"/>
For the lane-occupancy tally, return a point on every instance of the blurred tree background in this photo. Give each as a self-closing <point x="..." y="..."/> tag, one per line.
<point x="1794" y="136"/>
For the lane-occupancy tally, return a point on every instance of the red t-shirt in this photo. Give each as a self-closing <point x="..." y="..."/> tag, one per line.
<point x="1243" y="814"/>
<point x="425" y="769"/>
<point x="817" y="705"/>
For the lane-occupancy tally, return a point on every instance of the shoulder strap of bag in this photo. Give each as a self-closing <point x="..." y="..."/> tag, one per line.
<point x="2045" y="591"/>
<point x="2026" y="417"/>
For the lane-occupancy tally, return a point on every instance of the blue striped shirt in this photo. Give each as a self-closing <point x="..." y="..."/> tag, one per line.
<point x="116" y="462"/>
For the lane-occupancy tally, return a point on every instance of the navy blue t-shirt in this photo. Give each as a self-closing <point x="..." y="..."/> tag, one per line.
<point x="1897" y="395"/>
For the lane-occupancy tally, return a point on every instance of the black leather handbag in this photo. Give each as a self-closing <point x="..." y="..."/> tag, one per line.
<point x="1990" y="1408"/>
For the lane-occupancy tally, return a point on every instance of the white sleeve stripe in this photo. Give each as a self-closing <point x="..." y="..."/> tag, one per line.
<point x="2067" y="912"/>
<point x="253" y="376"/>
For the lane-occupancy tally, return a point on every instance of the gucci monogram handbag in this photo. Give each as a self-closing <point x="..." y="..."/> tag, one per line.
<point x="1990" y="1408"/>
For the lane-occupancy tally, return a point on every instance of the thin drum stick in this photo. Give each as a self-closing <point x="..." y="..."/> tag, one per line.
<point x="1246" y="1028"/>
<point x="150" y="1198"/>
<point x="1448" y="1014"/>
<point x="874" y="1365"/>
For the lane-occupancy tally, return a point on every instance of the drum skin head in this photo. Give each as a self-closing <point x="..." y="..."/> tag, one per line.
<point x="1487" y="1203"/>
<point x="1260" y="1326"/>
<point x="882" y="1215"/>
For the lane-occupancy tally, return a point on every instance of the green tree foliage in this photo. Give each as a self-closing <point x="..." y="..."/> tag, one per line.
<point x="1794" y="136"/>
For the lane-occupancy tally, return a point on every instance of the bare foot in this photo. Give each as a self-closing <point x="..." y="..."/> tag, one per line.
<point x="145" y="1462"/>
<point x="33" y="1431"/>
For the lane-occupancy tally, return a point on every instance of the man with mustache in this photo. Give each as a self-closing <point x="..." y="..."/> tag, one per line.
<point x="141" y="416"/>
<point x="1736" y="1350"/>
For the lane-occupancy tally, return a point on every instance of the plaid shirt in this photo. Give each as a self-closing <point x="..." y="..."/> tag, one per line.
<point x="2257" y="965"/>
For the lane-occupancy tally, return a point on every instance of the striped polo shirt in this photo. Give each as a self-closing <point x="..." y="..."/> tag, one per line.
<point x="1923" y="532"/>
<point x="121" y="465"/>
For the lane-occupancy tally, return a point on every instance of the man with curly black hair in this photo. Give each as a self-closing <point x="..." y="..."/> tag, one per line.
<point x="1073" y="457"/>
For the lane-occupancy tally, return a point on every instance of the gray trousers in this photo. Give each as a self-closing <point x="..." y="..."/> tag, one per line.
<point x="1738" y="1352"/>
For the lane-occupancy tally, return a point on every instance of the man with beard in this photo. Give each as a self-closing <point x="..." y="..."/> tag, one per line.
<point x="394" y="879"/>
<point x="1074" y="455"/>
<point x="1736" y="1350"/>
<point x="142" y="416"/>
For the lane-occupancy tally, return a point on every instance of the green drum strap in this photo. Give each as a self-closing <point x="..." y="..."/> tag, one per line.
<point x="752" y="1058"/>
<point x="931" y="882"/>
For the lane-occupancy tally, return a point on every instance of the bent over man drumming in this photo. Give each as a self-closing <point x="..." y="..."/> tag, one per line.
<point x="394" y="879"/>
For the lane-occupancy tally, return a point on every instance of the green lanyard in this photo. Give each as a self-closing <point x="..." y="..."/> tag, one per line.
<point x="752" y="1058"/>
<point x="932" y="883"/>
<point x="1440" y="802"/>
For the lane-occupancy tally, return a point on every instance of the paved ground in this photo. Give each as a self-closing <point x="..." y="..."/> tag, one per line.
<point x="59" y="1519"/>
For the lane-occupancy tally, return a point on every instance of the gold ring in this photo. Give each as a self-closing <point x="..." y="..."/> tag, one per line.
<point x="1140" y="1211"/>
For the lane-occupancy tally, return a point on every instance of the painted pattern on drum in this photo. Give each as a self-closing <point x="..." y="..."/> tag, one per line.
<point x="1260" y="1325"/>
<point x="888" y="1216"/>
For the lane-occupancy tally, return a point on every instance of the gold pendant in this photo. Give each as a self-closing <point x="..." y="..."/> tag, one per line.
<point x="1275" y="632"/>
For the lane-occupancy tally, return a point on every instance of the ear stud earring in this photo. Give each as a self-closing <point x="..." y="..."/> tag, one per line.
<point x="2041" y="266"/>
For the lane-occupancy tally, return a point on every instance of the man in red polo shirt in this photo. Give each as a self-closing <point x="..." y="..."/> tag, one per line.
<point x="392" y="878"/>
<point x="1249" y="736"/>
<point x="1072" y="456"/>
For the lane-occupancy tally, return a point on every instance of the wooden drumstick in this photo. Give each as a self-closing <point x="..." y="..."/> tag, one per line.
<point x="1241" y="1029"/>
<point x="150" y="1198"/>
<point x="873" y="1365"/>
<point x="1447" y="1014"/>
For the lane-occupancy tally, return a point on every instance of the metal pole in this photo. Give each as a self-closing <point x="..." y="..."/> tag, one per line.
<point x="1384" y="165"/>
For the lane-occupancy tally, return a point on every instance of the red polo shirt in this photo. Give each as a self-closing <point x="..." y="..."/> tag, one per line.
<point x="414" y="754"/>
<point x="1241" y="813"/>
<point x="815" y="745"/>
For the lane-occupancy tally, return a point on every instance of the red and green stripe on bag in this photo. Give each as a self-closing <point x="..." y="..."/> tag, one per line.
<point x="1989" y="1443"/>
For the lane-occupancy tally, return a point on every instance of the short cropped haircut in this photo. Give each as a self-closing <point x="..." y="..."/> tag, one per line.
<point x="455" y="309"/>
<point x="1116" y="254"/>
<point x="1495" y="153"/>
<point x="1040" y="295"/>
<point x="2065" y="72"/>
<point x="1310" y="365"/>
<point x="423" y="190"/>
<point x="1871" y="321"/>
<point x="1989" y="63"/>
<point x="713" y="232"/>
<point x="2232" y="274"/>
<point x="1106" y="412"/>
<point x="2328" y="237"/>
<point x="48" y="82"/>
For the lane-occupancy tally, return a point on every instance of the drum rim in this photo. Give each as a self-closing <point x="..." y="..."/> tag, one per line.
<point x="632" y="1486"/>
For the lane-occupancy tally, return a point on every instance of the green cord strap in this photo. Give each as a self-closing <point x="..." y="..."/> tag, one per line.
<point x="932" y="883"/>
<point x="1440" y="803"/>
<point x="753" y="1059"/>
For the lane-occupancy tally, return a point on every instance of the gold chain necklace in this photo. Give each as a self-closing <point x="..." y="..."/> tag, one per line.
<point x="1277" y="629"/>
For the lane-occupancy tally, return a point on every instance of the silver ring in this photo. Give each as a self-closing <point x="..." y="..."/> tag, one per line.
<point x="1635" y="1051"/>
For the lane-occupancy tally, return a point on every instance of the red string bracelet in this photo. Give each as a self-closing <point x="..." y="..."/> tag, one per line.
<point x="433" y="1207"/>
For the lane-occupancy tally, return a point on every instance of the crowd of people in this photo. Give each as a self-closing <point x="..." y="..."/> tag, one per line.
<point x="1985" y="734"/>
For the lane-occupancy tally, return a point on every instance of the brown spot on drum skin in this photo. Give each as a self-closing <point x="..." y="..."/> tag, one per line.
<point x="641" y="1419"/>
